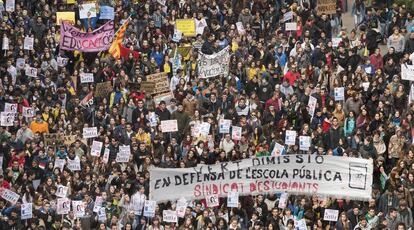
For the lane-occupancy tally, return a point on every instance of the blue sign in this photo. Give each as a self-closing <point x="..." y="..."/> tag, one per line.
<point x="106" y="12"/>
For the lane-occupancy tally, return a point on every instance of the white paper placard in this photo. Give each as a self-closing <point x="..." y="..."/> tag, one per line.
<point x="62" y="62"/>
<point x="232" y="199"/>
<point x="5" y="43"/>
<point x="224" y="126"/>
<point x="278" y="149"/>
<point x="26" y="211"/>
<point x="63" y="206"/>
<point x="236" y="132"/>
<point x="10" y="196"/>
<point x="149" y="208"/>
<point x="304" y="143"/>
<point x="10" y="5"/>
<point x="301" y="224"/>
<point x="407" y="72"/>
<point x="291" y="26"/>
<point x="123" y="154"/>
<point x="283" y="200"/>
<point x="59" y="163"/>
<point x="212" y="201"/>
<point x="181" y="207"/>
<point x="101" y="214"/>
<point x="62" y="191"/>
<point x="98" y="204"/>
<point x="28" y="112"/>
<point x="339" y="94"/>
<point x="169" y="216"/>
<point x="74" y="165"/>
<point x="10" y="108"/>
<point x="106" y="156"/>
<point x="290" y="137"/>
<point x="31" y="72"/>
<point x="20" y="63"/>
<point x="336" y="42"/>
<point x="168" y="126"/>
<point x="28" y="43"/>
<point x="331" y="215"/>
<point x="96" y="148"/>
<point x="288" y="16"/>
<point x="240" y="28"/>
<point x="78" y="208"/>
<point x="90" y="132"/>
<point x="85" y="9"/>
<point x="86" y="77"/>
<point x="7" y="119"/>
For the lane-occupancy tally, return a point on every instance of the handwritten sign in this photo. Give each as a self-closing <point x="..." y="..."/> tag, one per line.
<point x="86" y="77"/>
<point x="326" y="7"/>
<point x="169" y="126"/>
<point x="87" y="10"/>
<point x="123" y="154"/>
<point x="103" y="89"/>
<point x="90" y="132"/>
<point x="10" y="196"/>
<point x="186" y="26"/>
<point x="291" y="26"/>
<point x="331" y="215"/>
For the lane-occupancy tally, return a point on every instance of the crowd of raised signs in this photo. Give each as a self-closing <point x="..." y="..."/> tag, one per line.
<point x="89" y="106"/>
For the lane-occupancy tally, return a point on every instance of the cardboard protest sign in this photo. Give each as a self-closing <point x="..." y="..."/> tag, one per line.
<point x="326" y="7"/>
<point x="161" y="82"/>
<point x="71" y="38"/>
<point x="68" y="17"/>
<point x="186" y="26"/>
<point x="87" y="10"/>
<point x="169" y="126"/>
<point x="103" y="89"/>
<point x="215" y="64"/>
<point x="147" y="87"/>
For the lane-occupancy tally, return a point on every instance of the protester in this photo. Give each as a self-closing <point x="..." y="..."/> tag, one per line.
<point x="88" y="89"/>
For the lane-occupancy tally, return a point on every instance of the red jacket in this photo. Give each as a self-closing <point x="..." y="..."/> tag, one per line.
<point x="291" y="77"/>
<point x="376" y="61"/>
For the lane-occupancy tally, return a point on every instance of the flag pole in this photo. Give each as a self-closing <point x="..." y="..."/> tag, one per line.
<point x="129" y="18"/>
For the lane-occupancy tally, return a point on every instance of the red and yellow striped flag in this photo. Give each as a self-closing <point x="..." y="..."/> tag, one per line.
<point x="114" y="50"/>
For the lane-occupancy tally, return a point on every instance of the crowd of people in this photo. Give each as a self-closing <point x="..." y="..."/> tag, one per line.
<point x="272" y="74"/>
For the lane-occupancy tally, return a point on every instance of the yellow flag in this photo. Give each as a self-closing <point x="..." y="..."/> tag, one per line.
<point x="114" y="50"/>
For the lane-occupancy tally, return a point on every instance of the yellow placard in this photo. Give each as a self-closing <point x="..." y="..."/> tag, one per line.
<point x="186" y="26"/>
<point x="65" y="16"/>
<point x="70" y="1"/>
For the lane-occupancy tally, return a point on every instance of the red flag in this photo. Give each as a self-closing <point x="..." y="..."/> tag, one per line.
<point x="124" y="52"/>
